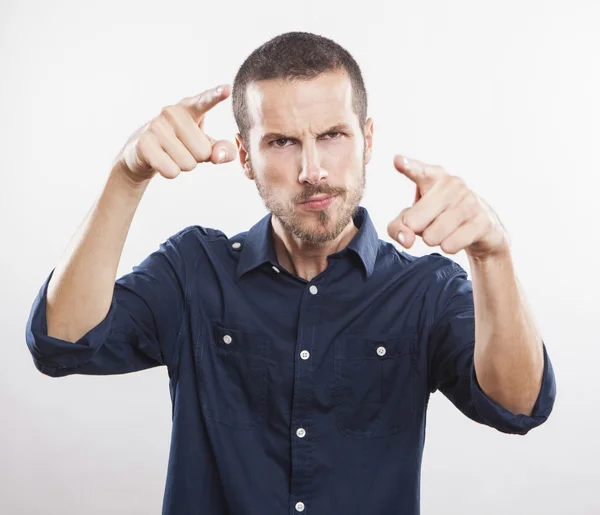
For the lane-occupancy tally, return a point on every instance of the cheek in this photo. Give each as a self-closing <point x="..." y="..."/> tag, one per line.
<point x="343" y="161"/>
<point x="276" y="174"/>
<point x="271" y="167"/>
<point x="344" y="153"/>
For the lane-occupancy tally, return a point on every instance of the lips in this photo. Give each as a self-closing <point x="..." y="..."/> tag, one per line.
<point x="314" y="199"/>
<point x="318" y="203"/>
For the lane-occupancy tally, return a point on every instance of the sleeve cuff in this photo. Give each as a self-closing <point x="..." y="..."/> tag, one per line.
<point x="52" y="356"/>
<point x="503" y="420"/>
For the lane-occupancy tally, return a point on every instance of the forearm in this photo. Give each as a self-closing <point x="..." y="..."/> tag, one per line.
<point x="509" y="358"/>
<point x="81" y="288"/>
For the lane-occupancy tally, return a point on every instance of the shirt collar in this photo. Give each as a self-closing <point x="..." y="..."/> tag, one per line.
<point x="259" y="246"/>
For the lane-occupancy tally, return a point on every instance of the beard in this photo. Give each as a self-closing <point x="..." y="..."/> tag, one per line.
<point x="331" y="221"/>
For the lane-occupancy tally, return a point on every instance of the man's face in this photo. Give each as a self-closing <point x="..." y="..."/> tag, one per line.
<point x="306" y="142"/>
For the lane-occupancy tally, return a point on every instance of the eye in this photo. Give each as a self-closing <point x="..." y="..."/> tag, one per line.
<point x="281" y="142"/>
<point x="333" y="135"/>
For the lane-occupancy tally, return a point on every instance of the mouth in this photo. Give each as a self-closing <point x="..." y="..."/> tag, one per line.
<point x="319" y="202"/>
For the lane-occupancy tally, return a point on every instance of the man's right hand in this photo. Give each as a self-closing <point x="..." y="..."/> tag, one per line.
<point x="175" y="140"/>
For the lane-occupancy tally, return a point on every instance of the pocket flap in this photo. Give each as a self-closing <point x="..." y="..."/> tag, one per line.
<point x="361" y="347"/>
<point x="239" y="340"/>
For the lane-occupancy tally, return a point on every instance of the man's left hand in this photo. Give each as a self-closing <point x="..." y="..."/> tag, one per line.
<point x="447" y="213"/>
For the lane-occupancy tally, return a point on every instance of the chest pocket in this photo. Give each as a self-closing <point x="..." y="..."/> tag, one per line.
<point x="233" y="376"/>
<point x="374" y="385"/>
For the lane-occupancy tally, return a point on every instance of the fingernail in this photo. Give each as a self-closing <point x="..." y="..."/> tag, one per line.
<point x="401" y="238"/>
<point x="219" y="90"/>
<point x="405" y="162"/>
<point x="221" y="155"/>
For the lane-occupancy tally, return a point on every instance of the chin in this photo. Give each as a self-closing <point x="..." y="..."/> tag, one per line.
<point x="327" y="226"/>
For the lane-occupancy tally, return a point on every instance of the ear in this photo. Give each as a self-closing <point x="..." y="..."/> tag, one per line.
<point x="368" y="139"/>
<point x="244" y="156"/>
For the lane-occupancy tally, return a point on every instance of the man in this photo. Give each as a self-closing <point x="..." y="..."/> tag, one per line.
<point x="301" y="353"/>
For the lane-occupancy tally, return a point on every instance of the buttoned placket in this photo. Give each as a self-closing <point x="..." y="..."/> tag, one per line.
<point x="301" y="442"/>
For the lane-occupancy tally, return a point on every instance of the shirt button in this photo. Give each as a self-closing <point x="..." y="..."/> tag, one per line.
<point x="305" y="354"/>
<point x="301" y="433"/>
<point x="236" y="245"/>
<point x="227" y="339"/>
<point x="381" y="351"/>
<point x="299" y="506"/>
<point x="276" y="269"/>
<point x="313" y="289"/>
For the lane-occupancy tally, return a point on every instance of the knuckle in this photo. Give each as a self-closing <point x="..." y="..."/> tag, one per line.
<point x="205" y="155"/>
<point x="188" y="164"/>
<point x="448" y="248"/>
<point x="157" y="126"/>
<point x="202" y="152"/>
<point x="456" y="181"/>
<point x="208" y="97"/>
<point x="168" y="112"/>
<point x="470" y="206"/>
<point x="170" y="172"/>
<point x="204" y="98"/>
<point x="175" y="113"/>
<point x="144" y="143"/>
<point x="429" y="238"/>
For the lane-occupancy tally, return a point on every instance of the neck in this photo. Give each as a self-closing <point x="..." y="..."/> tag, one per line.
<point x="303" y="259"/>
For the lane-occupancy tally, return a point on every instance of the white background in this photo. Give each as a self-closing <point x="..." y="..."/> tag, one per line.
<point x="503" y="94"/>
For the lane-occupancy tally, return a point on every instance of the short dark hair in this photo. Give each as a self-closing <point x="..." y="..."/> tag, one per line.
<point x="295" y="55"/>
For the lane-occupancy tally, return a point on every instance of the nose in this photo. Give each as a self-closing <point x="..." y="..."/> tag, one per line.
<point x="312" y="172"/>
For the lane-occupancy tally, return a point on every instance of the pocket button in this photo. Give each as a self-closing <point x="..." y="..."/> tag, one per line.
<point x="381" y="351"/>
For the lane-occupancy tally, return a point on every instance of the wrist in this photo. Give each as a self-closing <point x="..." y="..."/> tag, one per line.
<point x="121" y="174"/>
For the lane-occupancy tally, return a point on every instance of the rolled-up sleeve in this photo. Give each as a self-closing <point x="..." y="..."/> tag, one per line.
<point x="139" y="331"/>
<point x="451" y="360"/>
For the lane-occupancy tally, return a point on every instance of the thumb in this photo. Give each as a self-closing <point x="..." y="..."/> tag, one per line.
<point x="223" y="151"/>
<point x="401" y="232"/>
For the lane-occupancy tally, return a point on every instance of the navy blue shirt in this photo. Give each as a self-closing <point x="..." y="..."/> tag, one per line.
<point x="291" y="396"/>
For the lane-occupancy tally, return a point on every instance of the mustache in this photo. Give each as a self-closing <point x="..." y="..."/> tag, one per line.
<point x="313" y="189"/>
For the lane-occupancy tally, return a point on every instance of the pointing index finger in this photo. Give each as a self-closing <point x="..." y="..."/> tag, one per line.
<point x="421" y="174"/>
<point x="199" y="105"/>
<point x="412" y="168"/>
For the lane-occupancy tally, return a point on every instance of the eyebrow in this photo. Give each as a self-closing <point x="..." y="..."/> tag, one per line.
<point x="340" y="127"/>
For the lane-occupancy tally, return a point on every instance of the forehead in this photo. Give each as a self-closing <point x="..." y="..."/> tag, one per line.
<point x="294" y="105"/>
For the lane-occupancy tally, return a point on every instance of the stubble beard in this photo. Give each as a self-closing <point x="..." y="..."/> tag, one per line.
<point x="293" y="222"/>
